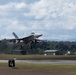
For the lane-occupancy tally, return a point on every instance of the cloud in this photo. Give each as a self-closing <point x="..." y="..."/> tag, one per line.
<point x="20" y="5"/>
<point x="15" y="25"/>
<point x="41" y="16"/>
<point x="12" y="6"/>
<point x="59" y="37"/>
<point x="57" y="11"/>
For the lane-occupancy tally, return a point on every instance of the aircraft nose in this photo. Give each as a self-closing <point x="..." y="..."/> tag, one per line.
<point x="37" y="36"/>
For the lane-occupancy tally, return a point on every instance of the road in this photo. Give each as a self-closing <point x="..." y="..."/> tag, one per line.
<point x="44" y="61"/>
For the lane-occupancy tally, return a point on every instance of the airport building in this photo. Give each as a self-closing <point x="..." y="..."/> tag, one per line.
<point x="50" y="52"/>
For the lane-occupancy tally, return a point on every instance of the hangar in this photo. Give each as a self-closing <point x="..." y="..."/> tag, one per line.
<point x="50" y="52"/>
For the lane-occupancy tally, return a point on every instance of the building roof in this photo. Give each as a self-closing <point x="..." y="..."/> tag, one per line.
<point x="51" y="51"/>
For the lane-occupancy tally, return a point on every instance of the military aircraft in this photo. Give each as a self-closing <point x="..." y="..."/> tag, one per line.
<point x="32" y="38"/>
<point x="29" y="40"/>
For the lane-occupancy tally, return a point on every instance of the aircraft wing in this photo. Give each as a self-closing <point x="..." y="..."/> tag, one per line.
<point x="37" y="36"/>
<point x="30" y="38"/>
<point x="25" y="38"/>
<point x="8" y="40"/>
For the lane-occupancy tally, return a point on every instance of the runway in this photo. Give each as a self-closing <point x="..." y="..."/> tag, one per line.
<point x="71" y="62"/>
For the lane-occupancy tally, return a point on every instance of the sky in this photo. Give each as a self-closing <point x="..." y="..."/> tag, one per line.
<point x="55" y="19"/>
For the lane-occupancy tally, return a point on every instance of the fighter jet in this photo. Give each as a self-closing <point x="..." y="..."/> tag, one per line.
<point x="29" y="40"/>
<point x="32" y="38"/>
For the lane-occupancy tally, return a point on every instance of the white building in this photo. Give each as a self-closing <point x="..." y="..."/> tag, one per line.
<point x="50" y="52"/>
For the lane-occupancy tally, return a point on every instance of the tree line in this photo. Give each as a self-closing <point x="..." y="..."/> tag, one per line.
<point x="39" y="48"/>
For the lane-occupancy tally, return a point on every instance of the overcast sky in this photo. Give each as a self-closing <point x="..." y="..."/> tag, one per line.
<point x="55" y="19"/>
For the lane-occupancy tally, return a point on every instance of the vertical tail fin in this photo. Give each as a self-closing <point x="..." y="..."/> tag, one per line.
<point x="15" y="35"/>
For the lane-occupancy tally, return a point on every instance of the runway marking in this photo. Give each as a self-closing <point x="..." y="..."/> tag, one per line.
<point x="43" y="61"/>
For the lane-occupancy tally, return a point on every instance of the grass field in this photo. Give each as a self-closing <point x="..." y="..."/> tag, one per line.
<point x="37" y="69"/>
<point x="38" y="57"/>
